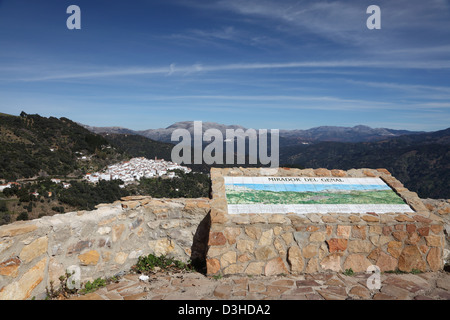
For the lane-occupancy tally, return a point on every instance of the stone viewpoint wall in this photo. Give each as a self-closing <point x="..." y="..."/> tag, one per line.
<point x="99" y="243"/>
<point x="269" y="244"/>
<point x="108" y="241"/>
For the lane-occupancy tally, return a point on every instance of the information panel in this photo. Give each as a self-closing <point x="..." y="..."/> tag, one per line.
<point x="311" y="194"/>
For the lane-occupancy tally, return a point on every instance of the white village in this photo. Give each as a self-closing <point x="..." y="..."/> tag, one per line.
<point x="135" y="169"/>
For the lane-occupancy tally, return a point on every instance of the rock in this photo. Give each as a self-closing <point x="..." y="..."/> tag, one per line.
<point x="130" y="204"/>
<point x="301" y="238"/>
<point x="228" y="258"/>
<point x="411" y="258"/>
<point x="312" y="228"/>
<point x="422" y="219"/>
<point x="5" y="244"/>
<point x="117" y="232"/>
<point x="275" y="291"/>
<point x="17" y="228"/>
<point x="394" y="291"/>
<point x="444" y="282"/>
<point x="359" y="246"/>
<point x="288" y="238"/>
<point x="375" y="229"/>
<point x="10" y="267"/>
<point x="343" y="231"/>
<point x="266" y="238"/>
<point x="255" y="268"/>
<point x="233" y="269"/>
<point x="359" y="232"/>
<point x="329" y="294"/>
<point x="317" y="236"/>
<point x="433" y="241"/>
<point x="410" y="228"/>
<point x="375" y="240"/>
<point x="310" y="251"/>
<point x="231" y="234"/>
<point x="395" y="248"/>
<point x="121" y="257"/>
<point x="399" y="235"/>
<point x="328" y="219"/>
<point x="253" y="232"/>
<point x="79" y="246"/>
<point x="217" y="251"/>
<point x="295" y="259"/>
<point x="413" y="238"/>
<point x="382" y="296"/>
<point x="375" y="254"/>
<point x="257" y="287"/>
<point x="357" y="262"/>
<point x="22" y="289"/>
<point x="360" y="292"/>
<point x="434" y="259"/>
<point x="216" y="239"/>
<point x="245" y="246"/>
<point x="34" y="249"/>
<point x="387" y="230"/>
<point x="403" y="218"/>
<point x="162" y="246"/>
<point x="322" y="172"/>
<point x="370" y="218"/>
<point x="337" y="245"/>
<point x="104" y="230"/>
<point x="383" y="240"/>
<point x="386" y="263"/>
<point x="354" y="218"/>
<point x="212" y="266"/>
<point x="331" y="262"/>
<point x="55" y="270"/>
<point x="265" y="253"/>
<point x="338" y="173"/>
<point x="424" y="231"/>
<point x="274" y="267"/>
<point x="89" y="258"/>
<point x="223" y="291"/>
<point x="312" y="266"/>
<point x="278" y="219"/>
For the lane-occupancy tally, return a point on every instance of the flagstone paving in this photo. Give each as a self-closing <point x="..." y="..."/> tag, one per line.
<point x="195" y="286"/>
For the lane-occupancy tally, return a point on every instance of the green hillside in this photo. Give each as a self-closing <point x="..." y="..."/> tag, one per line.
<point x="31" y="145"/>
<point x="289" y="197"/>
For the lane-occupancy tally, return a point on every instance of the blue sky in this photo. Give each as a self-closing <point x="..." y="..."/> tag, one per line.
<point x="258" y="63"/>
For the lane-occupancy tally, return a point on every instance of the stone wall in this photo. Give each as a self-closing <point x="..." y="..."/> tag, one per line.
<point x="108" y="241"/>
<point x="269" y="244"/>
<point x="99" y="243"/>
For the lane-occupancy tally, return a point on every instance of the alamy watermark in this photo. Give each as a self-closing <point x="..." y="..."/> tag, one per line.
<point x="221" y="150"/>
<point x="74" y="20"/>
<point x="374" y="281"/>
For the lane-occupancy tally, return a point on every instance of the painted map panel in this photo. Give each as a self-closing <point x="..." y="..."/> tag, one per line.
<point x="304" y="195"/>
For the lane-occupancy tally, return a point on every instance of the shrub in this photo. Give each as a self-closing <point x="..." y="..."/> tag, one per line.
<point x="23" y="216"/>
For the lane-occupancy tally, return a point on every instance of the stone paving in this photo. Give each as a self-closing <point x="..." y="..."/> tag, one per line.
<point x="195" y="286"/>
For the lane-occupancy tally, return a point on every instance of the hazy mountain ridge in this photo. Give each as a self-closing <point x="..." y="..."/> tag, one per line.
<point x="420" y="161"/>
<point x="358" y="133"/>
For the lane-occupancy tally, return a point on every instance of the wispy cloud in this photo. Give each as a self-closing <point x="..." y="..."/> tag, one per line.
<point x="399" y="86"/>
<point x="404" y="22"/>
<point x="195" y="68"/>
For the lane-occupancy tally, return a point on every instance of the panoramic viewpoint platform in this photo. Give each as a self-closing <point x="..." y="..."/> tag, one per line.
<point x="280" y="221"/>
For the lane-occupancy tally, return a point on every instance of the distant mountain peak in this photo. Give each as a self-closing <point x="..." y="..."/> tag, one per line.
<point x="358" y="133"/>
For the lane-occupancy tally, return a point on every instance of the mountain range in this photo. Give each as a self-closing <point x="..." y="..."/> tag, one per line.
<point x="358" y="133"/>
<point x="31" y="145"/>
